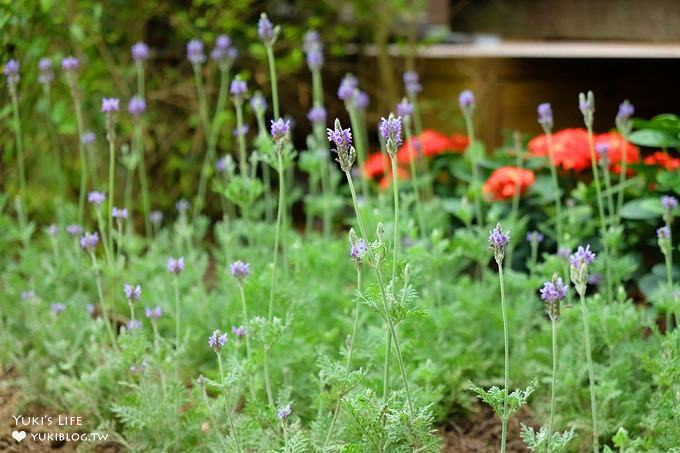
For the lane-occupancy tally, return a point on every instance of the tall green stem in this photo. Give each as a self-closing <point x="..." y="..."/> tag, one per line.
<point x="414" y="178"/>
<point x="20" y="160"/>
<point x="359" y="140"/>
<point x="177" y="311"/>
<point x="556" y="187"/>
<point x="100" y="292"/>
<point x="245" y="318"/>
<point x="243" y="161"/>
<point x="591" y="373"/>
<point x="506" y="362"/>
<point x="112" y="176"/>
<point x="273" y="81"/>
<point x="226" y="405"/>
<point x="143" y="182"/>
<point x="554" y="374"/>
<point x="622" y="179"/>
<point x="83" y="160"/>
<point x="475" y="170"/>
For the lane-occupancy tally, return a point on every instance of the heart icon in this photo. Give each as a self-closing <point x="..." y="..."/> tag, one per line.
<point x="19" y="435"/>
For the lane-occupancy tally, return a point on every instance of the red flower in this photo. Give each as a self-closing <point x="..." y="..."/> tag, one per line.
<point x="504" y="181"/>
<point x="386" y="181"/>
<point x="571" y="150"/>
<point x="662" y="159"/>
<point x="616" y="143"/>
<point x="376" y="164"/>
<point x="432" y="143"/>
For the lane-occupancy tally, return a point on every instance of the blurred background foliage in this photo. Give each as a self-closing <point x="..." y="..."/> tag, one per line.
<point x="100" y="34"/>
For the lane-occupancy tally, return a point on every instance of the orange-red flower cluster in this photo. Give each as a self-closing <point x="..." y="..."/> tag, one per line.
<point x="571" y="149"/>
<point x="504" y="182"/>
<point x="662" y="159"/>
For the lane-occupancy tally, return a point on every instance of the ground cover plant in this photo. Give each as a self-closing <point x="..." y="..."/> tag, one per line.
<point x="540" y="281"/>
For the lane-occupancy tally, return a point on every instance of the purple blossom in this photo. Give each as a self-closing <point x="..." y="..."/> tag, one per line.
<point x="239" y="331"/>
<point x="626" y="110"/>
<point x="564" y="252"/>
<point x="137" y="106"/>
<point x="284" y="412"/>
<point x="583" y="256"/>
<point x="361" y="101"/>
<point x="312" y="41"/>
<point x="594" y="278"/>
<point x="175" y="265"/>
<point x="132" y="293"/>
<point x="342" y="138"/>
<point x="52" y="230"/>
<point x="96" y="198"/>
<point x="46" y="73"/>
<point x="217" y="340"/>
<point x="553" y="291"/>
<point x="412" y="83"/>
<point x="669" y="202"/>
<point x="279" y="129"/>
<point x="182" y="205"/>
<point x="390" y="131"/>
<point x="239" y="270"/>
<point x="663" y="233"/>
<point x="317" y="115"/>
<point x="195" y="52"/>
<point x="545" y="115"/>
<point x="133" y="324"/>
<point x="89" y="241"/>
<point x="221" y="52"/>
<point x="70" y="64"/>
<point x="466" y="100"/>
<point x="265" y="30"/>
<point x="222" y="42"/>
<point x="74" y="229"/>
<point x="27" y="295"/>
<point x="153" y="313"/>
<point x="315" y="59"/>
<point x="156" y="217"/>
<point x="119" y="213"/>
<point x="12" y="71"/>
<point x="238" y="89"/>
<point x="57" y="309"/>
<point x="90" y="309"/>
<point x="404" y="108"/>
<point x="258" y="103"/>
<point x="602" y="150"/>
<point x="88" y="137"/>
<point x="110" y="105"/>
<point x="241" y="131"/>
<point x="535" y="236"/>
<point x="140" y="51"/>
<point x="358" y="250"/>
<point x="498" y="240"/>
<point x="221" y="165"/>
<point x="348" y="87"/>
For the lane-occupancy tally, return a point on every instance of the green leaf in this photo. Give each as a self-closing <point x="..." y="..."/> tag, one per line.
<point x="645" y="208"/>
<point x="654" y="138"/>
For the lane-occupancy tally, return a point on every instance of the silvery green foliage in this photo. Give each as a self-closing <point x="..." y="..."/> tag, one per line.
<point x="495" y="398"/>
<point x="243" y="191"/>
<point x="539" y="442"/>
<point x="402" y="303"/>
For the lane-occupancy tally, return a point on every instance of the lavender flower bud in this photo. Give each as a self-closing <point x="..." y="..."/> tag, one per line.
<point x="586" y="104"/>
<point x="317" y="115"/>
<point x="535" y="237"/>
<point x="312" y="41"/>
<point x="110" y="105"/>
<point x="12" y="72"/>
<point x="348" y="87"/>
<point x="239" y="270"/>
<point x="175" y="265"/>
<point x="545" y="116"/>
<point x="602" y="150"/>
<point x="258" y="103"/>
<point x="552" y="293"/>
<point x="225" y="164"/>
<point x="238" y="90"/>
<point x="222" y="52"/>
<point x="266" y="30"/>
<point x="132" y="293"/>
<point x="90" y="309"/>
<point x="136" y="106"/>
<point x="195" y="52"/>
<point x="663" y="233"/>
<point x="27" y="295"/>
<point x="664" y="238"/>
<point x="466" y="101"/>
<point x="70" y="64"/>
<point x="153" y="313"/>
<point x="57" y="309"/>
<point x="239" y="331"/>
<point x="412" y="83"/>
<point x="405" y="109"/>
<point x="242" y="131"/>
<point x="217" y="340"/>
<point x="357" y="251"/>
<point x="222" y="42"/>
<point x="88" y="138"/>
<point x="361" y="100"/>
<point x="498" y="240"/>
<point x="579" y="268"/>
<point x="669" y="202"/>
<point x="390" y="131"/>
<point x="279" y="130"/>
<point x="182" y="206"/>
<point x="156" y="217"/>
<point x="342" y="138"/>
<point x="73" y="229"/>
<point x="140" y="51"/>
<point x="314" y="59"/>
<point x="89" y="241"/>
<point x="46" y="73"/>
<point x="626" y="110"/>
<point x="284" y="412"/>
<point x="52" y="230"/>
<point x="96" y="198"/>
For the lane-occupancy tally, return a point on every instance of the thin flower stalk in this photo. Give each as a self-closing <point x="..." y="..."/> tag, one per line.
<point x="112" y="177"/>
<point x="624" y="126"/>
<point x="244" y="309"/>
<point x="143" y="182"/>
<point x="506" y="359"/>
<point x="514" y="210"/>
<point x="20" y="153"/>
<point x="556" y="186"/>
<point x="361" y="152"/>
<point x="467" y="104"/>
<point x="100" y="292"/>
<point x="414" y="177"/>
<point x="75" y="96"/>
<point x="418" y="128"/>
<point x="227" y="409"/>
<point x="591" y="372"/>
<point x="271" y="61"/>
<point x="213" y="419"/>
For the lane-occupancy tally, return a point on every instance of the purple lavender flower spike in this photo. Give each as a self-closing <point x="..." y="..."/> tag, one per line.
<point x="133" y="324"/>
<point x="195" y="52"/>
<point x="46" y="73"/>
<point x="96" y="198"/>
<point x="626" y="110"/>
<point x="663" y="233"/>
<point x="412" y="83"/>
<point x="74" y="229"/>
<point x="140" y="51"/>
<point x="390" y="131"/>
<point x="119" y="213"/>
<point x="583" y="256"/>
<point x="88" y="137"/>
<point x="175" y="265"/>
<point x="52" y="230"/>
<point x="110" y="105"/>
<point x="27" y="295"/>
<point x="137" y="106"/>
<point x="182" y="205"/>
<point x="221" y="52"/>
<point x="317" y="115"/>
<point x="545" y="116"/>
<point x="312" y="41"/>
<point x="535" y="236"/>
<point x="284" y="412"/>
<point x="90" y="309"/>
<point x="222" y="42"/>
<point x="239" y="331"/>
<point x="315" y="59"/>
<point x="280" y="129"/>
<point x="265" y="30"/>
<point x="554" y="290"/>
<point x="238" y="89"/>
<point x="217" y="340"/>
<point x="358" y="250"/>
<point x="89" y="241"/>
<point x="70" y="64"/>
<point x="342" y="138"/>
<point x="564" y="253"/>
<point x="362" y="100"/>
<point x="239" y="270"/>
<point x="405" y="108"/>
<point x="348" y="87"/>
<point x="498" y="240"/>
<point x="669" y="202"/>
<point x="153" y="313"/>
<point x="12" y="71"/>
<point x="466" y="100"/>
<point x="602" y="150"/>
<point x="57" y="309"/>
<point x="156" y="217"/>
<point x="132" y="293"/>
<point x="258" y="103"/>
